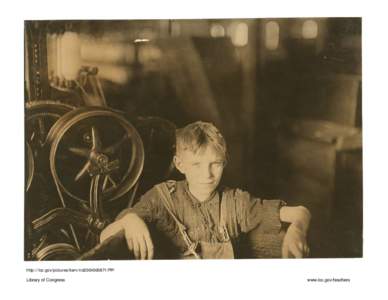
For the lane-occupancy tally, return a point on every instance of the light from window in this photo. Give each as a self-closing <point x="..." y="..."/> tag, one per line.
<point x="272" y="35"/>
<point x="70" y="55"/>
<point x="52" y="55"/>
<point x="217" y="30"/>
<point x="310" y="29"/>
<point x="239" y="34"/>
<point x="96" y="51"/>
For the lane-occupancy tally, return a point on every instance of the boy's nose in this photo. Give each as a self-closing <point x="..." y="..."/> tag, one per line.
<point x="207" y="172"/>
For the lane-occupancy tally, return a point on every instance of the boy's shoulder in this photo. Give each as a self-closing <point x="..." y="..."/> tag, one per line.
<point x="172" y="186"/>
<point x="178" y="186"/>
<point x="235" y="193"/>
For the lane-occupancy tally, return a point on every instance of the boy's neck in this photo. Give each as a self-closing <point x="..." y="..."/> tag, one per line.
<point x="201" y="196"/>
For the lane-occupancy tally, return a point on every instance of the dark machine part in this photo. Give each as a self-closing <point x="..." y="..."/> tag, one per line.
<point x="30" y="166"/>
<point x="96" y="156"/>
<point x="89" y="81"/>
<point x="58" y="251"/>
<point x="84" y="228"/>
<point x="37" y="86"/>
<point x="29" y="175"/>
<point x="40" y="116"/>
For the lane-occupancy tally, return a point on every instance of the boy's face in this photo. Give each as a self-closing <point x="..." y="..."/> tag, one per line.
<point x="203" y="170"/>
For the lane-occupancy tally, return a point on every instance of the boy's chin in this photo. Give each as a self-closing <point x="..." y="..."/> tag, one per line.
<point x="205" y="188"/>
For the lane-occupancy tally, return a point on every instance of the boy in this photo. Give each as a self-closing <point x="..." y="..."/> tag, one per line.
<point x="199" y="218"/>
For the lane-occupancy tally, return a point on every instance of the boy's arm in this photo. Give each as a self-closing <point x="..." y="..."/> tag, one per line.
<point x="147" y="208"/>
<point x="136" y="234"/>
<point x="260" y="219"/>
<point x="263" y="220"/>
<point x="294" y="242"/>
<point x="254" y="213"/>
<point x="132" y="222"/>
<point x="299" y="216"/>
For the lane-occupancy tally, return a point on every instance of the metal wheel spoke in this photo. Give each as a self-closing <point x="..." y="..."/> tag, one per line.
<point x="109" y="179"/>
<point x="113" y="148"/>
<point x="32" y="136"/>
<point x="112" y="181"/>
<point x="104" y="183"/>
<point x="73" y="233"/>
<point x="83" y="171"/>
<point x="79" y="151"/>
<point x="96" y="141"/>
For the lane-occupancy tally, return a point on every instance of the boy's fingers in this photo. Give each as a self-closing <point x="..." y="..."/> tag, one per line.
<point x="108" y="231"/>
<point x="306" y="251"/>
<point x="128" y="238"/>
<point x="300" y="246"/>
<point x="136" y="248"/>
<point x="150" y="247"/>
<point x="143" y="248"/>
<point x="296" y="251"/>
<point x="130" y="244"/>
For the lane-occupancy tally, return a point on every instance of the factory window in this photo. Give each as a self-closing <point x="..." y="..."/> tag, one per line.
<point x="239" y="34"/>
<point x="310" y="29"/>
<point x="70" y="55"/>
<point x="272" y="35"/>
<point x="217" y="30"/>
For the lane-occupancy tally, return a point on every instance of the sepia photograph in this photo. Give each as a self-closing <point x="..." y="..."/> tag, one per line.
<point x="196" y="149"/>
<point x="193" y="139"/>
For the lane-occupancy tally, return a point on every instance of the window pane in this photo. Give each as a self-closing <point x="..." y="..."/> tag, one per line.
<point x="310" y="29"/>
<point x="272" y="35"/>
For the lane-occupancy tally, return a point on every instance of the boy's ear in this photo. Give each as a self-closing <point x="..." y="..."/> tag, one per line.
<point x="178" y="164"/>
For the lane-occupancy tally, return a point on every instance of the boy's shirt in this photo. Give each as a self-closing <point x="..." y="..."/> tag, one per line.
<point x="201" y="219"/>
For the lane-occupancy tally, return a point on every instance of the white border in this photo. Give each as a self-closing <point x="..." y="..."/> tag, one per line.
<point x="185" y="280"/>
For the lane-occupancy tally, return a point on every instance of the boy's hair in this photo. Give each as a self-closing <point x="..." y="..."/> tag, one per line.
<point x="199" y="135"/>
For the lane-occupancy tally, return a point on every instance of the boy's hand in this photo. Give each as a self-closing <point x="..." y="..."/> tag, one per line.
<point x="294" y="243"/>
<point x="136" y="234"/>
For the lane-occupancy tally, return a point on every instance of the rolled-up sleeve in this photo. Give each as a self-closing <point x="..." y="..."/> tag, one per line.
<point x="257" y="213"/>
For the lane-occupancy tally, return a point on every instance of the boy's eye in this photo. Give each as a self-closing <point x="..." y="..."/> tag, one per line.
<point x="196" y="164"/>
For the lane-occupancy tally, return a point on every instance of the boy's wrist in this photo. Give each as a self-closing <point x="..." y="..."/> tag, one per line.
<point x="127" y="216"/>
<point x="301" y="226"/>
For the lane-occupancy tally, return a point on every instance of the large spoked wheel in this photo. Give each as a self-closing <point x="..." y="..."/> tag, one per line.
<point x="40" y="117"/>
<point x="89" y="143"/>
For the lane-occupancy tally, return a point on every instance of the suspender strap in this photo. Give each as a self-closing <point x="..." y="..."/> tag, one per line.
<point x="168" y="204"/>
<point x="222" y="226"/>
